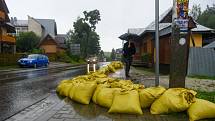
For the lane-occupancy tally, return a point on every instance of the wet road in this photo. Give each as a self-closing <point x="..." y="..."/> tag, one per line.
<point x="20" y="90"/>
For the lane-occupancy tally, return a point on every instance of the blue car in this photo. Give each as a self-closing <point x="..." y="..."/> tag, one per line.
<point x="34" y="60"/>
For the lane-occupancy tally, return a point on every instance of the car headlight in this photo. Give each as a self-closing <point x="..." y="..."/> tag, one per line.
<point x="30" y="61"/>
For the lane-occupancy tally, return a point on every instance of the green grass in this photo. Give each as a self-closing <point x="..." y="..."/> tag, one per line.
<point x="201" y="77"/>
<point x="145" y="71"/>
<point x="210" y="96"/>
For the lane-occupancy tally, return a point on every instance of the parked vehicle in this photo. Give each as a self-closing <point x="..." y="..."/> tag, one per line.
<point x="34" y="60"/>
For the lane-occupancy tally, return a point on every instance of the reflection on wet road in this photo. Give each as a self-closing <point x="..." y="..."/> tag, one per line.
<point x="20" y="90"/>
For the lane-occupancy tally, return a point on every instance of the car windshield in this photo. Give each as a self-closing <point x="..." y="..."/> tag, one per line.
<point x="32" y="56"/>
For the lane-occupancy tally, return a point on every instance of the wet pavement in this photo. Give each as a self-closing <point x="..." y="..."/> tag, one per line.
<point x="20" y="90"/>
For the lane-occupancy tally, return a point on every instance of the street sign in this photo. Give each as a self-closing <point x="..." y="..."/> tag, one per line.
<point x="75" y="49"/>
<point x="182" y="24"/>
<point x="182" y="15"/>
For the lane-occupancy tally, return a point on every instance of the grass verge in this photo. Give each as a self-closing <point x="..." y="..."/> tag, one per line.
<point x="210" y="96"/>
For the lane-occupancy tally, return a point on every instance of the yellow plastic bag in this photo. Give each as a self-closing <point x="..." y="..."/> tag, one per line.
<point x="64" y="88"/>
<point x="126" y="102"/>
<point x="105" y="96"/>
<point x="201" y="109"/>
<point x="98" y="88"/>
<point x="83" y="92"/>
<point x="173" y="100"/>
<point x="149" y="95"/>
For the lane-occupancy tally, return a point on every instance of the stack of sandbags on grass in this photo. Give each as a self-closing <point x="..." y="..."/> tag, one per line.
<point x="173" y="100"/>
<point x="149" y="95"/>
<point x="201" y="109"/>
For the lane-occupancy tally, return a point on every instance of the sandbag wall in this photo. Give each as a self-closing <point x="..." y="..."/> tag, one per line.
<point x="123" y="96"/>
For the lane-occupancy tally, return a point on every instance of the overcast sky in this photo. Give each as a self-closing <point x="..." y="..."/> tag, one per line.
<point x="116" y="15"/>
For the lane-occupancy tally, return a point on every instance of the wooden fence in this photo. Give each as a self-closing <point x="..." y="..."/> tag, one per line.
<point x="9" y="59"/>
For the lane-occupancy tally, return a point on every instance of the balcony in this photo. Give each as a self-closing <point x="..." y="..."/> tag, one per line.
<point x="8" y="38"/>
<point x="2" y="15"/>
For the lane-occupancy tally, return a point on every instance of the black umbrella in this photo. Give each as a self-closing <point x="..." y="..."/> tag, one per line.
<point x="128" y="36"/>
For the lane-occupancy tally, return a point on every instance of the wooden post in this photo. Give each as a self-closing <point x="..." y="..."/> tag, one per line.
<point x="179" y="59"/>
<point x="179" y="53"/>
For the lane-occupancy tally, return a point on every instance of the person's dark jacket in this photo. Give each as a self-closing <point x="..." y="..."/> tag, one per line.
<point x="128" y="51"/>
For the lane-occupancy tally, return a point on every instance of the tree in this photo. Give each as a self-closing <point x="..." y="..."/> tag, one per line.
<point x="195" y="11"/>
<point x="85" y="35"/>
<point x="207" y="17"/>
<point x="93" y="17"/>
<point x="113" y="54"/>
<point x="27" y="41"/>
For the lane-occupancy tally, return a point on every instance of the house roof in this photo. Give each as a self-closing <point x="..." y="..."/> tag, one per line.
<point x="60" y="40"/>
<point x="164" y="27"/>
<point x="201" y="28"/>
<point x="20" y="22"/>
<point x="136" y="30"/>
<point x="3" y="6"/>
<point x="211" y="45"/>
<point x="49" y="25"/>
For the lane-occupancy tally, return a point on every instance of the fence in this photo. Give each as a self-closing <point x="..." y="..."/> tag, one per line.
<point x="9" y="59"/>
<point x="201" y="62"/>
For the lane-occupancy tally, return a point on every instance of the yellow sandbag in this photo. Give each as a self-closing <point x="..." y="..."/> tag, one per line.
<point x="105" y="96"/>
<point x="173" y="100"/>
<point x="98" y="88"/>
<point x="66" y="88"/>
<point x="201" y="109"/>
<point x="126" y="102"/>
<point x="149" y="95"/>
<point x="83" y="92"/>
<point x="111" y="69"/>
<point x="63" y="88"/>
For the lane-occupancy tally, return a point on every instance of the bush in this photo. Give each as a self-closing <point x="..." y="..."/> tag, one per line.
<point x="146" y="57"/>
<point x="65" y="57"/>
<point x="37" y="51"/>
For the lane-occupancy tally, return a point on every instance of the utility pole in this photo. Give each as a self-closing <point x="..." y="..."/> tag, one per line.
<point x="179" y="44"/>
<point x="157" y="42"/>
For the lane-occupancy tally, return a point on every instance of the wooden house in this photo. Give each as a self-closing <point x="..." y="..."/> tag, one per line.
<point x="53" y="45"/>
<point x="7" y="40"/>
<point x="145" y="45"/>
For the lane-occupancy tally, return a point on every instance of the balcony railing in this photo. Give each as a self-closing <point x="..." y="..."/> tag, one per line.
<point x="7" y="38"/>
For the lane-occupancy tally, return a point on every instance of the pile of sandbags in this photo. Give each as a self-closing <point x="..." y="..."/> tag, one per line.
<point x="123" y="96"/>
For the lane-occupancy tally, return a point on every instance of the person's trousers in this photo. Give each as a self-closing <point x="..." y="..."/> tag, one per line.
<point x="127" y="62"/>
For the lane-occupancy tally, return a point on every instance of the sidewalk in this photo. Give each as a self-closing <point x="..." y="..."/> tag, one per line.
<point x="53" y="108"/>
<point x="148" y="80"/>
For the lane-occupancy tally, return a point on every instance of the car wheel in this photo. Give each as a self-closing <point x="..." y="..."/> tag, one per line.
<point x="35" y="65"/>
<point x="47" y="65"/>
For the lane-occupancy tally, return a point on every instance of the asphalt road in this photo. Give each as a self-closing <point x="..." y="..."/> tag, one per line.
<point x="20" y="89"/>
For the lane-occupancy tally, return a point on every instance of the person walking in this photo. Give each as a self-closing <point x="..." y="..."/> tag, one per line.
<point x="128" y="51"/>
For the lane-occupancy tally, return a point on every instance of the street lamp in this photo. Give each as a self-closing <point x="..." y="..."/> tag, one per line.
<point x="157" y="42"/>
